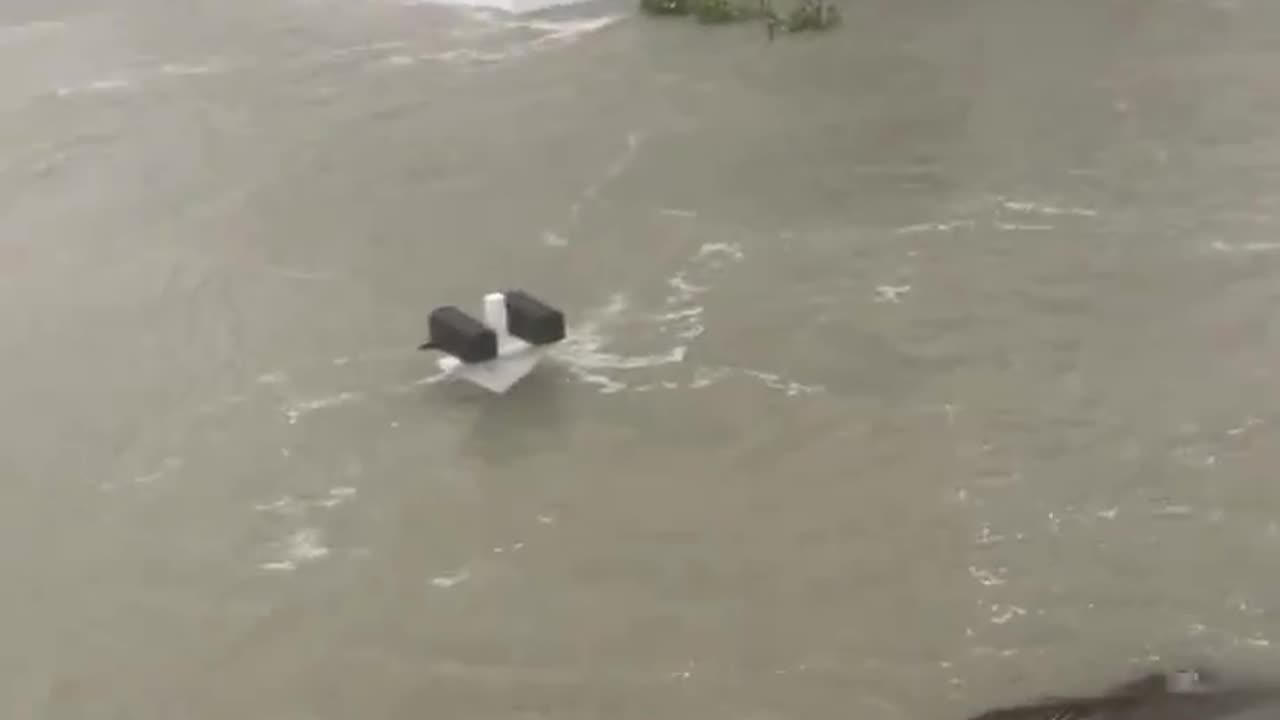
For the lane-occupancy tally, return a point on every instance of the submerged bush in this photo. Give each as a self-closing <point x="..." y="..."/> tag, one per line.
<point x="808" y="15"/>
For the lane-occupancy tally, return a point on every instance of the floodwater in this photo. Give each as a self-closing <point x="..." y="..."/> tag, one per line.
<point x="915" y="367"/>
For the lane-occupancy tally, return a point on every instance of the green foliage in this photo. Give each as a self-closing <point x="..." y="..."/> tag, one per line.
<point x="812" y="15"/>
<point x="715" y="12"/>
<point x="809" y="15"/>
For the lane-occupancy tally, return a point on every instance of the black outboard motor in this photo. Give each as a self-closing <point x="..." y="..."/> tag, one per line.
<point x="532" y="320"/>
<point x="454" y="332"/>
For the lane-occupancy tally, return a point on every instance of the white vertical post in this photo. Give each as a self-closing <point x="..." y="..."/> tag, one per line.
<point x="495" y="313"/>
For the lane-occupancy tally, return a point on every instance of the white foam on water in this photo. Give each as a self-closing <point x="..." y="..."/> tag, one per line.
<point x="891" y="293"/>
<point x="1023" y="206"/>
<point x="995" y="205"/>
<point x="193" y="70"/>
<point x="1245" y="248"/>
<point x="564" y="30"/>
<point x="488" y="33"/>
<point x="681" y="317"/>
<point x="1022" y="227"/>
<point x="947" y="226"/>
<point x="286" y="505"/>
<point x="582" y="351"/>
<point x="445" y="582"/>
<point x="789" y="387"/>
<point x="583" y="356"/>
<point x="585" y="353"/>
<point x="106" y="85"/>
<point x="732" y="250"/>
<point x="295" y="412"/>
<point x="468" y="56"/>
<point x="706" y="377"/>
<point x="685" y="290"/>
<point x="1249" y="423"/>
<point x="337" y="496"/>
<point x="498" y="30"/>
<point x="1001" y="614"/>
<point x="710" y="256"/>
<point x="985" y="577"/>
<point x="302" y="547"/>
<point x="491" y="9"/>
<point x="687" y="317"/>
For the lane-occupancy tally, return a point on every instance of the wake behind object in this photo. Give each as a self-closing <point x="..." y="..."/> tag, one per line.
<point x="497" y="353"/>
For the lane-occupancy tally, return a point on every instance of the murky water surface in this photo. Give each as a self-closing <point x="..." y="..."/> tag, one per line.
<point x="915" y="367"/>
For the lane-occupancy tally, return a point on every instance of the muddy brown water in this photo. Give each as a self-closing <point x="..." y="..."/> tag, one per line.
<point x="915" y="368"/>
